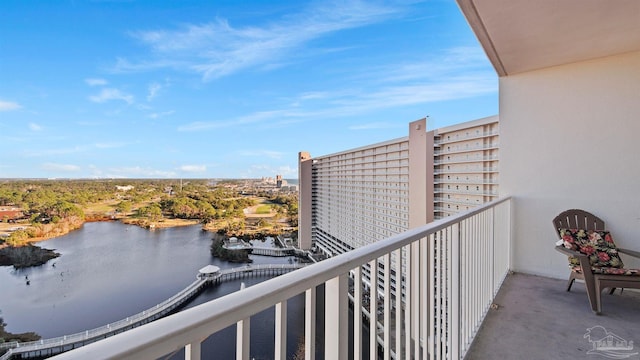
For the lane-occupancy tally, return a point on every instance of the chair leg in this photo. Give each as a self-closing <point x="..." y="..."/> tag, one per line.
<point x="590" y="282"/>
<point x="612" y="290"/>
<point x="572" y="279"/>
<point x="598" y="299"/>
<point x="593" y="296"/>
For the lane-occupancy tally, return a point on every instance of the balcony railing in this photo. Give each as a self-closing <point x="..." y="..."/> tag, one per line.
<point x="440" y="140"/>
<point x="453" y="269"/>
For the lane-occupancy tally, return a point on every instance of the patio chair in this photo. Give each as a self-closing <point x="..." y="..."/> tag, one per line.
<point x="593" y="256"/>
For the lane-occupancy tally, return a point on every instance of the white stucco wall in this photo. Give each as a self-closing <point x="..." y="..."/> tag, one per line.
<point x="570" y="138"/>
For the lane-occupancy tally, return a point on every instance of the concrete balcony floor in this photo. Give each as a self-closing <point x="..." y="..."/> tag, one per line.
<point x="537" y="319"/>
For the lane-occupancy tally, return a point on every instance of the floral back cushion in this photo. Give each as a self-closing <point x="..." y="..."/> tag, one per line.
<point x="598" y="245"/>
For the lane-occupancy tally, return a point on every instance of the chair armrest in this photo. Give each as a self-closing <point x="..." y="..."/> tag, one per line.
<point x="570" y="252"/>
<point x="630" y="252"/>
<point x="584" y="260"/>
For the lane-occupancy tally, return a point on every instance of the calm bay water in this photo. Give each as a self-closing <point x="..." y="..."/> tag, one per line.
<point x="108" y="271"/>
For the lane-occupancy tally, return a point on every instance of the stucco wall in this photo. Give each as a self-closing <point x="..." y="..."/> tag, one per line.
<point x="570" y="138"/>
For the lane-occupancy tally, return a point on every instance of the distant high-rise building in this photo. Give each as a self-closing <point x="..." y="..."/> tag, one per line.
<point x="465" y="163"/>
<point x="359" y="196"/>
<point x="278" y="181"/>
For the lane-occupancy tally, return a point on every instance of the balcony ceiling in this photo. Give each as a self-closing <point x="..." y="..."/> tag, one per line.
<point x="525" y="35"/>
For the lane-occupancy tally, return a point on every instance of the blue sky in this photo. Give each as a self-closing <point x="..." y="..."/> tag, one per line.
<point x="231" y="89"/>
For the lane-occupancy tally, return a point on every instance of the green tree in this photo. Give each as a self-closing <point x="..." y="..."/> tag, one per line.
<point x="124" y="206"/>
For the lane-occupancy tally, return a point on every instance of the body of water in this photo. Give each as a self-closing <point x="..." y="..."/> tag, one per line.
<point x="108" y="271"/>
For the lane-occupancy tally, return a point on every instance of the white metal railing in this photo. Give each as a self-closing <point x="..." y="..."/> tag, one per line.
<point x="457" y="149"/>
<point x="16" y="348"/>
<point x="466" y="159"/>
<point x="106" y="330"/>
<point x="441" y="140"/>
<point x="453" y="269"/>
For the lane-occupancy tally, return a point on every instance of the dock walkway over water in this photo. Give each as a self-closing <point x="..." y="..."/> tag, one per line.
<point x="50" y="347"/>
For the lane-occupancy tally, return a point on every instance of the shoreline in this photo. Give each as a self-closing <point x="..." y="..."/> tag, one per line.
<point x="29" y="254"/>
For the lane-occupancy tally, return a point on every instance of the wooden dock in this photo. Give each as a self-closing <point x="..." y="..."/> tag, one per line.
<point x="50" y="347"/>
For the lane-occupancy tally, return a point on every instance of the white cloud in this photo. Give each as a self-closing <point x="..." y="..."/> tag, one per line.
<point x="153" y="91"/>
<point x="54" y="152"/>
<point x="35" y="127"/>
<point x="138" y="171"/>
<point x="96" y="82"/>
<point x="60" y="167"/>
<point x="374" y="125"/>
<point x="453" y="74"/>
<point x="161" y="114"/>
<point x="109" y="145"/>
<point x="261" y="154"/>
<point x="193" y="168"/>
<point x="253" y="118"/>
<point x="314" y="95"/>
<point x="9" y="105"/>
<point x="218" y="48"/>
<point x="111" y="94"/>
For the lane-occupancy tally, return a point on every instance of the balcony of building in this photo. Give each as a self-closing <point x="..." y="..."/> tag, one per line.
<point x="467" y="148"/>
<point x="461" y="160"/>
<point x="459" y="300"/>
<point x="451" y="270"/>
<point x="534" y="317"/>
<point x="444" y="139"/>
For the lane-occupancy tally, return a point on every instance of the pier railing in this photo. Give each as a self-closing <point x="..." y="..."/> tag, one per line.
<point x="60" y="344"/>
<point x="451" y="270"/>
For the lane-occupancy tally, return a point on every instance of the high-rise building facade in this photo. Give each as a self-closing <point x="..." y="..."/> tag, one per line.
<point x="356" y="197"/>
<point x="465" y="165"/>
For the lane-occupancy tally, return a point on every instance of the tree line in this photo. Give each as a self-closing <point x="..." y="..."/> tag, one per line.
<point x="61" y="205"/>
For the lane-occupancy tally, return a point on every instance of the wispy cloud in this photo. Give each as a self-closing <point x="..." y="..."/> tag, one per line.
<point x="35" y="127"/>
<point x="262" y="154"/>
<point x="193" y="168"/>
<point x="9" y="105"/>
<point x="153" y="91"/>
<point x="375" y="125"/>
<point x="453" y="74"/>
<point x="111" y="94"/>
<point x="218" y="48"/>
<point x="138" y="171"/>
<point x="96" y="82"/>
<point x="112" y="145"/>
<point x="161" y="114"/>
<point x="252" y="118"/>
<point x="60" y="167"/>
<point x="54" y="152"/>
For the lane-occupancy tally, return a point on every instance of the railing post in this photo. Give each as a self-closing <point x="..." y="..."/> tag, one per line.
<point x="398" y="306"/>
<point x="424" y="333"/>
<point x="387" y="307"/>
<point x="243" y="329"/>
<point x="192" y="351"/>
<point x="454" y="286"/>
<point x="243" y="336"/>
<point x="357" y="314"/>
<point x="281" y="331"/>
<point x="310" y="324"/>
<point x="373" y="310"/>
<point x="336" y="317"/>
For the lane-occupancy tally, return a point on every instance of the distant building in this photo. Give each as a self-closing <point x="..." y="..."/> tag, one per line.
<point x="356" y="197"/>
<point x="465" y="163"/>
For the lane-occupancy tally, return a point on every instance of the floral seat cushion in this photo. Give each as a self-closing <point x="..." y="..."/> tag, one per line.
<point x="609" y="271"/>
<point x="598" y="245"/>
